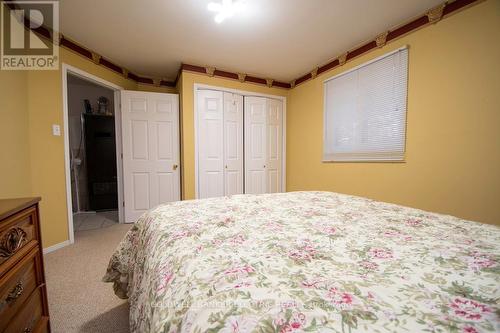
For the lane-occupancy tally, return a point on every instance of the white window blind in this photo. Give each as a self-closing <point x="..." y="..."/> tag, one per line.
<point x="365" y="111"/>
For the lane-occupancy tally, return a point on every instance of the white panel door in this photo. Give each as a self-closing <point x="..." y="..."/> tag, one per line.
<point x="255" y="145"/>
<point x="150" y="139"/>
<point x="210" y="144"/>
<point x="233" y="144"/>
<point x="274" y="149"/>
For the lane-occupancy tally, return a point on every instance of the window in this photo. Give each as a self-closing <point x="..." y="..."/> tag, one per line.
<point x="365" y="111"/>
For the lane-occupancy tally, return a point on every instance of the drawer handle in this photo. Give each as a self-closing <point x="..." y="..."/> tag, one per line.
<point x="27" y="330"/>
<point x="12" y="241"/>
<point x="15" y="293"/>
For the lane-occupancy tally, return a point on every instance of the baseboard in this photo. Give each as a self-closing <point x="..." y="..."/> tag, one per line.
<point x="56" y="247"/>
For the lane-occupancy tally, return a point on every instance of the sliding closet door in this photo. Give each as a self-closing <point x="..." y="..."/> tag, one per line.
<point x="274" y="149"/>
<point x="255" y="145"/>
<point x="233" y="144"/>
<point x="210" y="144"/>
<point x="239" y="144"/>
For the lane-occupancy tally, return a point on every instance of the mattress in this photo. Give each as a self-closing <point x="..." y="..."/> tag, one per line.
<point x="307" y="262"/>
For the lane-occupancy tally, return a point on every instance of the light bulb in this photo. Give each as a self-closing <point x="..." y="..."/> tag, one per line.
<point x="219" y="18"/>
<point x="225" y="9"/>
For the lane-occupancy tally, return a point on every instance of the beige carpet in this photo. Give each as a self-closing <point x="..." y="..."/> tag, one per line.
<point x="78" y="300"/>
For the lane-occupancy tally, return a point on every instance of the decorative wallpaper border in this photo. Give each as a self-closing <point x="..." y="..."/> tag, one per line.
<point x="212" y="71"/>
<point x="432" y="16"/>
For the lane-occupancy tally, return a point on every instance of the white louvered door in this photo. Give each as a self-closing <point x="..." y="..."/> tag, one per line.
<point x="150" y="138"/>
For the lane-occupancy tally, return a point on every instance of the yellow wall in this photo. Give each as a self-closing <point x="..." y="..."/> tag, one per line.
<point x="15" y="176"/>
<point x="186" y="85"/>
<point x="453" y="138"/>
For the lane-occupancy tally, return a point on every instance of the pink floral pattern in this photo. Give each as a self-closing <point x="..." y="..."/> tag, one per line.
<point x="379" y="253"/>
<point x="307" y="262"/>
<point x="340" y="299"/>
<point x="468" y="309"/>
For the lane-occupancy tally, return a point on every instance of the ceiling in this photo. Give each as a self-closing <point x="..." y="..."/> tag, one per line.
<point x="279" y="39"/>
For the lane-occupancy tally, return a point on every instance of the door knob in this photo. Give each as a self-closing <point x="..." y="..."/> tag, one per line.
<point x="226" y="166"/>
<point x="174" y="167"/>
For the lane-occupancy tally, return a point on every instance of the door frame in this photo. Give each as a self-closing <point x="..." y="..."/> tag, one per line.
<point x="244" y="93"/>
<point x="68" y="69"/>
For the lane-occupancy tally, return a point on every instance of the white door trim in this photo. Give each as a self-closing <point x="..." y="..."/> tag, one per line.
<point x="244" y="93"/>
<point x="68" y="69"/>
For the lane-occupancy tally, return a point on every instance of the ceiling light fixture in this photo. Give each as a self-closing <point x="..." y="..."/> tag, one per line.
<point x="225" y="9"/>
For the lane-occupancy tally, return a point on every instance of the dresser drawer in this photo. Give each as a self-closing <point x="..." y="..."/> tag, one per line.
<point x="23" y="296"/>
<point x="28" y="319"/>
<point x="18" y="233"/>
<point x="42" y="326"/>
<point x="17" y="285"/>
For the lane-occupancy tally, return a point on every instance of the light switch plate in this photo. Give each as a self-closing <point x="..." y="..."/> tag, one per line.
<point x="56" y="130"/>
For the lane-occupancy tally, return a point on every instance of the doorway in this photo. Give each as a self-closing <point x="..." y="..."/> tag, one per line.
<point x="92" y="151"/>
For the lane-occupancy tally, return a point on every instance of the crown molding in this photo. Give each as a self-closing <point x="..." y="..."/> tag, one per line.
<point x="432" y="16"/>
<point x="241" y="77"/>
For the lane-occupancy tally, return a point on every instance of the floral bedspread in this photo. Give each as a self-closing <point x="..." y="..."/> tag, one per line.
<point x="307" y="262"/>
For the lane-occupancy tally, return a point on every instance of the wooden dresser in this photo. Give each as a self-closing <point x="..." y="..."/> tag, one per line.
<point x="23" y="296"/>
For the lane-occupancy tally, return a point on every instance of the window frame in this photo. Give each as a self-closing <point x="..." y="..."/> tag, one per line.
<point x="325" y="98"/>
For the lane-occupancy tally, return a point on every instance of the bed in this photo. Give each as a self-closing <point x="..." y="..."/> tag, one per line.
<point x="307" y="262"/>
